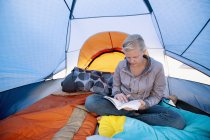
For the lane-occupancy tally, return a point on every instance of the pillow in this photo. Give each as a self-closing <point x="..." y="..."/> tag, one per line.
<point x="87" y="80"/>
<point x="68" y="85"/>
<point x="102" y="82"/>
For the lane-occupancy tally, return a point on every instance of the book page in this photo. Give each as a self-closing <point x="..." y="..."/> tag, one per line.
<point x="114" y="101"/>
<point x="134" y="104"/>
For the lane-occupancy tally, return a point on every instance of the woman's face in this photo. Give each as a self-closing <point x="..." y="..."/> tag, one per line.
<point x="134" y="57"/>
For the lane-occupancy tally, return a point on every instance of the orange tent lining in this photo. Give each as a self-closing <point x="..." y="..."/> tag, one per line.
<point x="98" y="44"/>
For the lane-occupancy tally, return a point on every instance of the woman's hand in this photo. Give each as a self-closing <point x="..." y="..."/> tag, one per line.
<point x="142" y="105"/>
<point x="121" y="97"/>
<point x="124" y="98"/>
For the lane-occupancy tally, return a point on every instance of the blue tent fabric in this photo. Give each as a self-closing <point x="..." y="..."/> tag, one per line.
<point x="196" y="94"/>
<point x="200" y="45"/>
<point x="30" y="32"/>
<point x="189" y="63"/>
<point x="180" y="22"/>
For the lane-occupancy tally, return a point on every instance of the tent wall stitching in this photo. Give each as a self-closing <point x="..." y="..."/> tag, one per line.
<point x="196" y="37"/>
<point x="189" y="64"/>
<point x="111" y="40"/>
<point x="112" y="16"/>
<point x="67" y="5"/>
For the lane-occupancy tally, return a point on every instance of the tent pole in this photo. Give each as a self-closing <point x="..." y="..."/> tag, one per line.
<point x="149" y="7"/>
<point x="68" y="35"/>
<point x="72" y="9"/>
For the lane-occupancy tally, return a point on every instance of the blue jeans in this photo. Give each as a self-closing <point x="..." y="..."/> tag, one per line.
<point x="155" y="115"/>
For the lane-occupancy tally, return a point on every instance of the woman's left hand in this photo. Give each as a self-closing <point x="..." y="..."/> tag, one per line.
<point x="141" y="107"/>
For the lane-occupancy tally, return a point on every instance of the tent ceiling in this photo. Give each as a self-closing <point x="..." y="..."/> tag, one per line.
<point x="103" y="8"/>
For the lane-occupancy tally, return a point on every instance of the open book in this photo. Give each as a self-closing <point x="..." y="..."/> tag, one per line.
<point x="134" y="104"/>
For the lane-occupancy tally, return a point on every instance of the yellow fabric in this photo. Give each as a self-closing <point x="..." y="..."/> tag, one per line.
<point x="111" y="125"/>
<point x="107" y="62"/>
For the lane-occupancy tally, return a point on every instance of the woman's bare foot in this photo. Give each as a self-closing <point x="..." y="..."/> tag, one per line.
<point x="98" y="118"/>
<point x="173" y="98"/>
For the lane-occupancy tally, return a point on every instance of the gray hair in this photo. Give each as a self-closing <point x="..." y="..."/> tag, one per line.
<point x="134" y="41"/>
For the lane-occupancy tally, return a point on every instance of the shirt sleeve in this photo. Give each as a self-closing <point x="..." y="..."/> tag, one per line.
<point x="158" y="89"/>
<point x="116" y="81"/>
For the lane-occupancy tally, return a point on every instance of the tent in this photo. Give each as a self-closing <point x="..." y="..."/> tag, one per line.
<point x="40" y="40"/>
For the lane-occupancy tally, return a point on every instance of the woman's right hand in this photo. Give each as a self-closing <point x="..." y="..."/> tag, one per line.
<point x="121" y="97"/>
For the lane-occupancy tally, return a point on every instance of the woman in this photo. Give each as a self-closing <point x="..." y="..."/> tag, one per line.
<point x="138" y="77"/>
